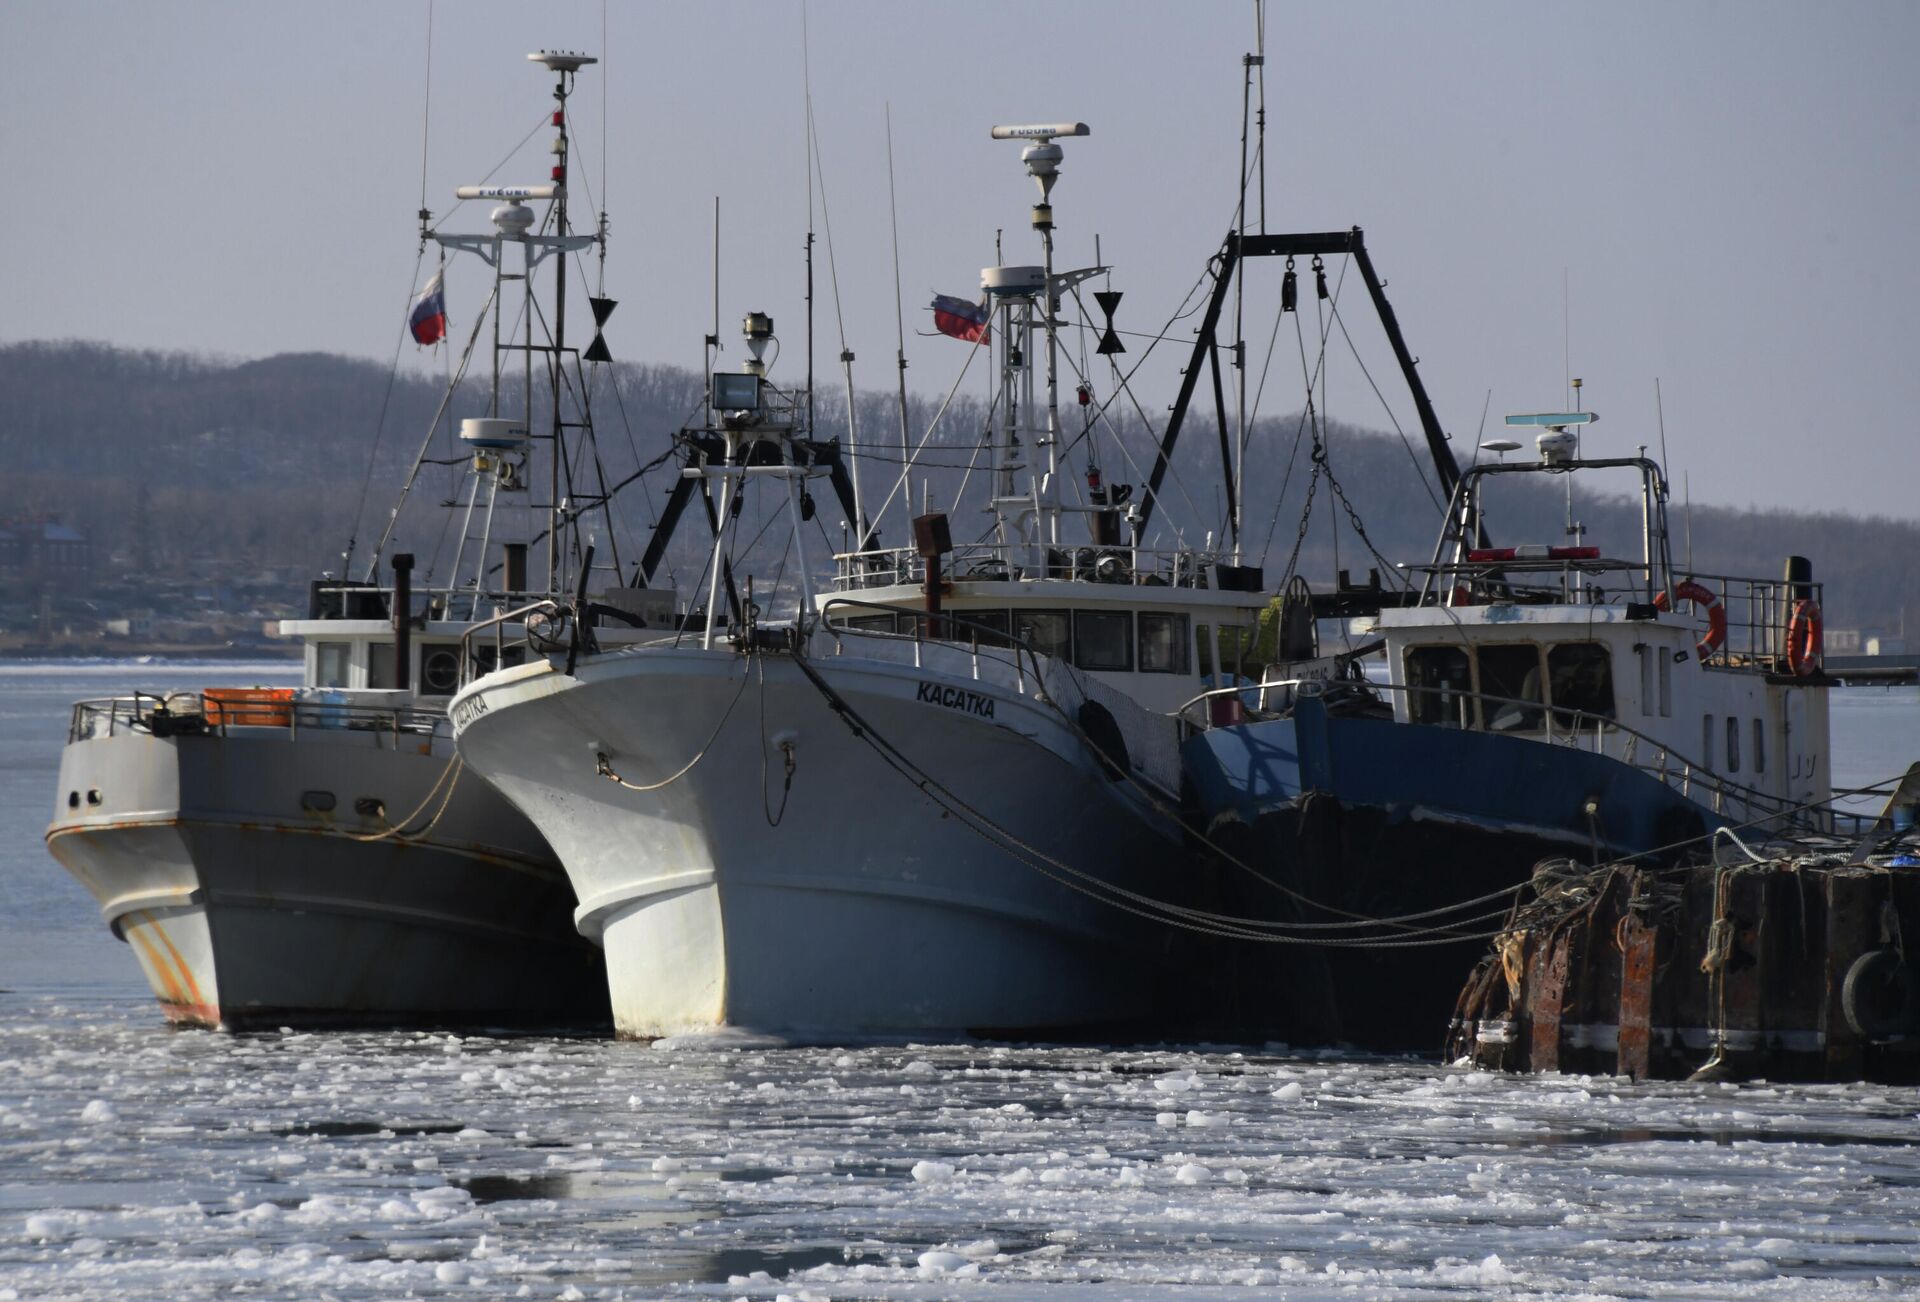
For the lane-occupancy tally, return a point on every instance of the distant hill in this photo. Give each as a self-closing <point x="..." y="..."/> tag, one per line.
<point x="173" y="461"/>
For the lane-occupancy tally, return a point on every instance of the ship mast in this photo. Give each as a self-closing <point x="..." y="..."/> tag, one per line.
<point x="563" y="65"/>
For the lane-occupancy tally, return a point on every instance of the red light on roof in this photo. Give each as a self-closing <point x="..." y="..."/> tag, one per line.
<point x="1573" y="553"/>
<point x="1490" y="554"/>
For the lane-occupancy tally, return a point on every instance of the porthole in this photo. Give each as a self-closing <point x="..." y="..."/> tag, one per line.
<point x="439" y="671"/>
<point x="93" y="795"/>
<point x="73" y="800"/>
<point x="317" y="802"/>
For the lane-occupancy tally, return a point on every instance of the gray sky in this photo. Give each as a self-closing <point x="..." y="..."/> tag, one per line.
<point x="1728" y="190"/>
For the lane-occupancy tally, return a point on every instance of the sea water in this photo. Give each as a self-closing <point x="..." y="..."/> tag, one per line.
<point x="141" y="1162"/>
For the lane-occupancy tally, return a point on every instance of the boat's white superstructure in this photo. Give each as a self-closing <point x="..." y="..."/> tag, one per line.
<point x="940" y="800"/>
<point x="319" y="854"/>
<point x="1711" y="682"/>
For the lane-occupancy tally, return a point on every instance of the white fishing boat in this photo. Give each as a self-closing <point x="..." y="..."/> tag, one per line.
<point x="944" y="797"/>
<point x="319" y="855"/>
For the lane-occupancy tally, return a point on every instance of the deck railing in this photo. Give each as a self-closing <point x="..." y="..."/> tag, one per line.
<point x="1574" y="727"/>
<point x="1759" y="612"/>
<point x="187" y="714"/>
<point x="891" y="566"/>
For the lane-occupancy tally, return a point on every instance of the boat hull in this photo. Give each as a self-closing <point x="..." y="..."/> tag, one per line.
<point x="1386" y="819"/>
<point x="246" y="905"/>
<point x="848" y="902"/>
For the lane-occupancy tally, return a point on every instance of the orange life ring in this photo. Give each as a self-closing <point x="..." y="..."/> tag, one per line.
<point x="1806" y="638"/>
<point x="1702" y="596"/>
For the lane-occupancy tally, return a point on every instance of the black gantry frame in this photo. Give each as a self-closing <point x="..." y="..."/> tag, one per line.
<point x="1206" y="350"/>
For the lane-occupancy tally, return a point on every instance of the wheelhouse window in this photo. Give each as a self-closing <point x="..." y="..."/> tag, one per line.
<point x="1103" y="639"/>
<point x="1511" y="673"/>
<point x="1163" y="643"/>
<point x="1439" y="686"/>
<point x="380" y="665"/>
<point x="869" y="623"/>
<point x="1234" y="645"/>
<point x="1580" y="683"/>
<point x="1733" y="744"/>
<point x="332" y="661"/>
<point x="1759" y="746"/>
<point x="1203" y="644"/>
<point x="984" y="627"/>
<point x="1049" y="632"/>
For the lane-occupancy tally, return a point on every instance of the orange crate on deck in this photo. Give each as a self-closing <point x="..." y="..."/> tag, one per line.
<point x="248" y="707"/>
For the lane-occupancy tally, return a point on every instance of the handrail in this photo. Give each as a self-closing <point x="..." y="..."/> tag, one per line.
<point x="546" y="607"/>
<point x="137" y="713"/>
<point x="1178" y="566"/>
<point x="1757" y="610"/>
<point x="1012" y="640"/>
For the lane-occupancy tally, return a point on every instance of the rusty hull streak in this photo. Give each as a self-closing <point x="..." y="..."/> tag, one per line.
<point x="1636" y="996"/>
<point x="1546" y="995"/>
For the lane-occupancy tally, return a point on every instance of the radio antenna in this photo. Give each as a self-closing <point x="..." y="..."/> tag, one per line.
<point x="899" y="315"/>
<point x="1660" y="409"/>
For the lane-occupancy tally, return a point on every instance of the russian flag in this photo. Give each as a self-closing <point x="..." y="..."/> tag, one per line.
<point x="427" y="319"/>
<point x="959" y="318"/>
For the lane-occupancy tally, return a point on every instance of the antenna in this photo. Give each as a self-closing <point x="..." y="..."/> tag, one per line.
<point x="1660" y="409"/>
<point x="1686" y="494"/>
<point x="1566" y="336"/>
<point x="711" y="352"/>
<point x="899" y="316"/>
<point x="1260" y="62"/>
<point x="806" y="149"/>
<point x="1247" y="63"/>
<point x="840" y="321"/>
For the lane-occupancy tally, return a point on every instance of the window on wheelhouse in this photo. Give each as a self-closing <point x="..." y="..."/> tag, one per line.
<point x="1733" y="744"/>
<point x="1759" y="746"/>
<point x="1511" y="672"/>
<point x="1163" y="643"/>
<point x="870" y="623"/>
<point x="1439" y="686"/>
<point x="1580" y="683"/>
<point x="331" y="663"/>
<point x="1235" y="642"/>
<point x="1103" y="639"/>
<point x="380" y="665"/>
<point x="1049" y="632"/>
<point x="983" y="628"/>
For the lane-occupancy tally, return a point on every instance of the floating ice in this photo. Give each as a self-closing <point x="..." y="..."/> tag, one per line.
<point x="1040" y="1171"/>
<point x="933" y="1264"/>
<point x="99" y="1112"/>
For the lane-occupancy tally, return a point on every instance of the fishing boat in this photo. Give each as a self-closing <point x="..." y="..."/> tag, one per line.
<point x="943" y="796"/>
<point x="318" y="855"/>
<point x="1559" y="699"/>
